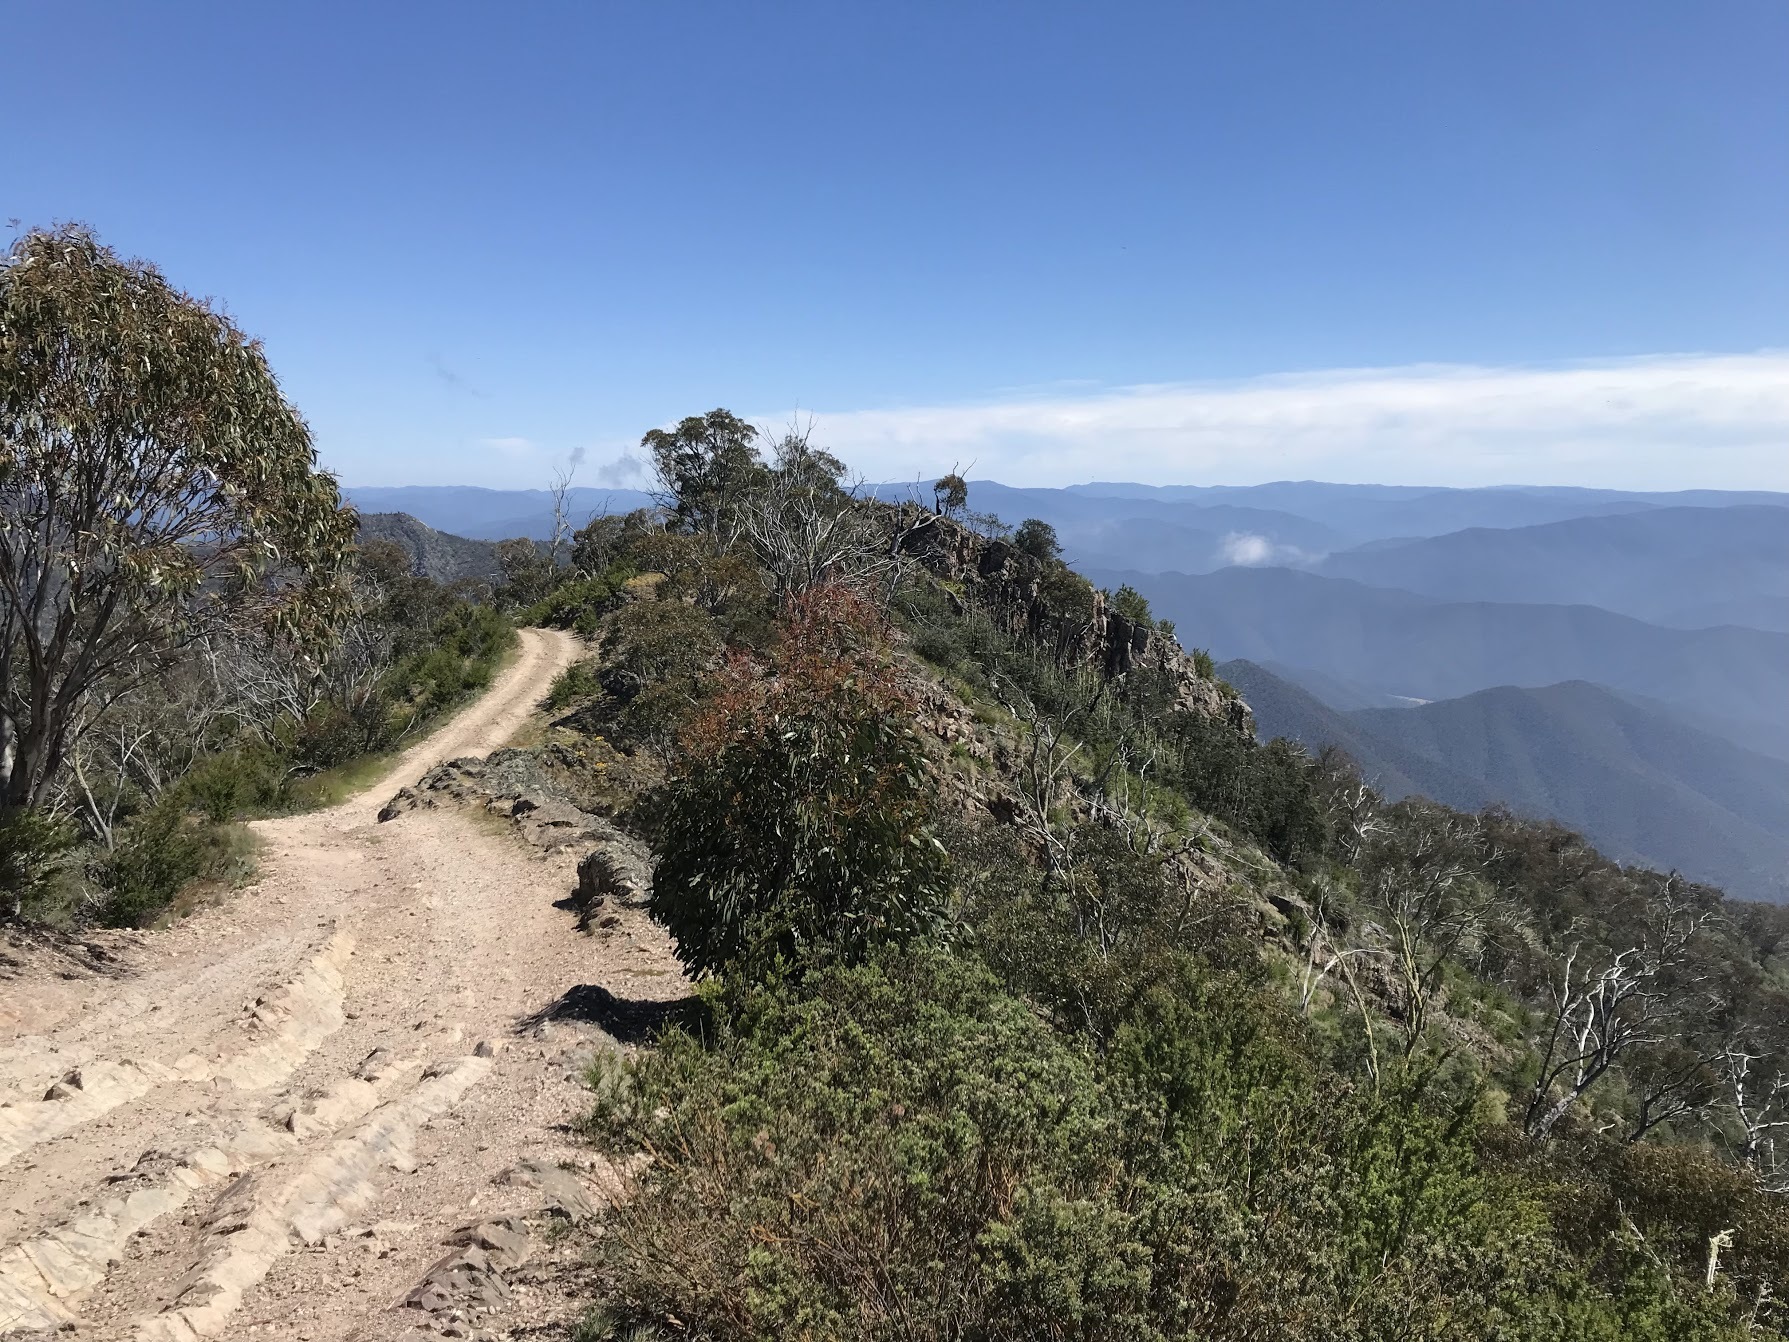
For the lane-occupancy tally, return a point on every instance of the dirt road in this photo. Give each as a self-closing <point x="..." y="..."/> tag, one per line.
<point x="271" y="1122"/>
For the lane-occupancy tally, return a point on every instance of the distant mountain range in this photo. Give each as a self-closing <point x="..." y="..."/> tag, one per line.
<point x="1401" y="643"/>
<point x="491" y="514"/>
<point x="1379" y="512"/>
<point x="1643" y="786"/>
<point x="1316" y="517"/>
<point x="1686" y="567"/>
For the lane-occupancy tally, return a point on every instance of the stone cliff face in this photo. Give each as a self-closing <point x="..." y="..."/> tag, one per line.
<point x="1079" y="628"/>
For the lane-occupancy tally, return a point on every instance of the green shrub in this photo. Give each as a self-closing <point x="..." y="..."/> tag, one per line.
<point x="579" y="604"/>
<point x="1037" y="540"/>
<point x="576" y="683"/>
<point x="1133" y="606"/>
<point x="331" y="734"/>
<point x="901" y="1150"/>
<point x="836" y="1164"/>
<point x="250" y="779"/>
<point x="654" y="642"/>
<point x="797" y="820"/>
<point x="160" y="852"/>
<point x="941" y="647"/>
<point x="31" y="846"/>
<point x="1268" y="792"/>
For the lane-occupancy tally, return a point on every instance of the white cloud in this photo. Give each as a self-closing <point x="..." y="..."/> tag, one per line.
<point x="510" y="447"/>
<point x="1248" y="550"/>
<point x="1657" y="422"/>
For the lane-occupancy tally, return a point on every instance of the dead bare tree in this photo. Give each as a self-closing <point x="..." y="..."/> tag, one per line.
<point x="560" y="539"/>
<point x="1428" y="888"/>
<point x="1601" y="1012"/>
<point x="1758" y="1089"/>
<point x="1351" y="807"/>
<point x="1324" y="952"/>
<point x="1044" y="773"/>
<point x="807" y="526"/>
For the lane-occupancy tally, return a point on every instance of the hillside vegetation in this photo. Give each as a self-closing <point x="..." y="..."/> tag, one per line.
<point x="1037" y="999"/>
<point x="435" y="555"/>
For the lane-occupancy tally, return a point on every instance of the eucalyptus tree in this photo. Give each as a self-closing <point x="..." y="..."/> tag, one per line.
<point x="155" y="487"/>
<point x="703" y="467"/>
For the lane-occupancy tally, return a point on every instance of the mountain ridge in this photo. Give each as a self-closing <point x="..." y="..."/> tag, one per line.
<point x="1642" y="785"/>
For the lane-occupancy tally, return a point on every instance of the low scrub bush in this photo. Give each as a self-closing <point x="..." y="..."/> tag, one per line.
<point x="580" y="604"/>
<point x="575" y="684"/>
<point x="159" y="853"/>
<point x="903" y="1150"/>
<point x="835" y="1161"/>
<point x="250" y="779"/>
<point x="32" y="846"/>
<point x="797" y="821"/>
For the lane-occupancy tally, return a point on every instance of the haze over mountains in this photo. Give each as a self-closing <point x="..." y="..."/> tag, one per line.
<point x="1686" y="567"/>
<point x="1648" y="787"/>
<point x="1617" y="660"/>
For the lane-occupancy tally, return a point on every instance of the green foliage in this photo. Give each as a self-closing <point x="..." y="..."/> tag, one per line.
<point x="878" y="1128"/>
<point x="1036" y="540"/>
<point x="1090" y="1111"/>
<point x="1203" y="664"/>
<point x="159" y="853"/>
<point x="578" y="604"/>
<point x="797" y="820"/>
<point x="31" y="844"/>
<point x="526" y="575"/>
<point x="601" y="542"/>
<point x="902" y="1150"/>
<point x="657" y="654"/>
<point x="950" y="495"/>
<point x="1133" y="606"/>
<point x="578" y="682"/>
<point x="1264" y="791"/>
<point x="1069" y="596"/>
<point x="136" y="421"/>
<point x="249" y="779"/>
<point x="704" y="465"/>
<point x="436" y="666"/>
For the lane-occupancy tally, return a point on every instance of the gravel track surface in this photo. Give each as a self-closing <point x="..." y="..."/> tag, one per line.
<point x="271" y="1119"/>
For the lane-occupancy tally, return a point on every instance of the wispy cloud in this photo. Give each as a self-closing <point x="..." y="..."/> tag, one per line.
<point x="624" y="472"/>
<point x="1249" y="550"/>
<point x="1666" y="421"/>
<point x="515" y="448"/>
<point x="453" y="378"/>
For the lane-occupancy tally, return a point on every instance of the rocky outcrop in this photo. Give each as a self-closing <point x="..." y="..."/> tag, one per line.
<point x="1052" y="609"/>
<point x="617" y="872"/>
<point x="617" y="869"/>
<point x="464" y="1287"/>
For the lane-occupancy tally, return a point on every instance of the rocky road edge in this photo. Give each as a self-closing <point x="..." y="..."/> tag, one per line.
<point x="617" y="869"/>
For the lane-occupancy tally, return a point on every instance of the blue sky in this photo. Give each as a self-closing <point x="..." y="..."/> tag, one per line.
<point x="1478" y="241"/>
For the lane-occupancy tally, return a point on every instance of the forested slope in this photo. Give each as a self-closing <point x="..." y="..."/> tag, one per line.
<point x="1039" y="999"/>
